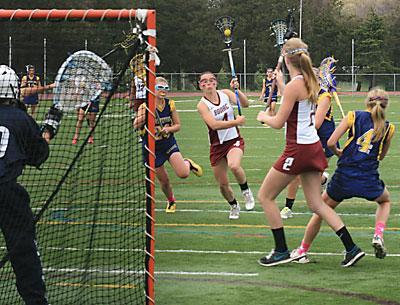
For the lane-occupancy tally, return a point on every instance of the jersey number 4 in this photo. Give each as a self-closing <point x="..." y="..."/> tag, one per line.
<point x="4" y="136"/>
<point x="365" y="142"/>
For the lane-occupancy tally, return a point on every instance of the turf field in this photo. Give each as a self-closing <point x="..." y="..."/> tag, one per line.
<point x="202" y="257"/>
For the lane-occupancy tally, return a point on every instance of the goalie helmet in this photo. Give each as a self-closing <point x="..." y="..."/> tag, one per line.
<point x="8" y="83"/>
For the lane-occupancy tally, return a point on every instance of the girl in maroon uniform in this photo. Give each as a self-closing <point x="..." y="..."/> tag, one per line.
<point x="303" y="155"/>
<point x="226" y="144"/>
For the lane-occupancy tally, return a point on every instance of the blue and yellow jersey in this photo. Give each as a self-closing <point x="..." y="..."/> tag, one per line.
<point x="328" y="125"/>
<point x="360" y="152"/>
<point x="268" y="84"/>
<point x="164" y="118"/>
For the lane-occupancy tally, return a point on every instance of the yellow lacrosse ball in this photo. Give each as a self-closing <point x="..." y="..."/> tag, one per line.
<point x="227" y="32"/>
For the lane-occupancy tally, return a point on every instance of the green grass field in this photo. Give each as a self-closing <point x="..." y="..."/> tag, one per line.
<point x="202" y="257"/>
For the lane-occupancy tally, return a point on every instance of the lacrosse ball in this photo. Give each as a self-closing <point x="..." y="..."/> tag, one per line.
<point x="227" y="32"/>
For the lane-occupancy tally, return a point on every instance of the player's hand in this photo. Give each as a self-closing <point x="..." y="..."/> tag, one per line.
<point x="166" y="130"/>
<point x="278" y="75"/>
<point x="51" y="123"/>
<point x="240" y="120"/>
<point x="262" y="116"/>
<point x="339" y="152"/>
<point x="235" y="83"/>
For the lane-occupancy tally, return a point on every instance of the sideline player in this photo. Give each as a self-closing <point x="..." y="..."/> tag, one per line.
<point x="167" y="124"/>
<point x="357" y="175"/>
<point x="266" y="89"/>
<point x="226" y="144"/>
<point x="31" y="80"/>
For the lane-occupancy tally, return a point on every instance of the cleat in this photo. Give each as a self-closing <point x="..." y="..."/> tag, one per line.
<point x="324" y="184"/>
<point x="74" y="141"/>
<point x="249" y="199"/>
<point x="352" y="257"/>
<point x="286" y="213"/>
<point x="275" y="258"/>
<point x="299" y="256"/>
<point x="90" y="140"/>
<point x="195" y="168"/>
<point x="171" y="207"/>
<point x="379" y="246"/>
<point x="235" y="211"/>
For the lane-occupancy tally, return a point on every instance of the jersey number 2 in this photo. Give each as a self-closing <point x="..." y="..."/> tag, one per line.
<point x="4" y="136"/>
<point x="288" y="163"/>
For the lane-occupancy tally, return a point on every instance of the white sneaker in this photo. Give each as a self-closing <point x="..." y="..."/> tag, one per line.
<point x="379" y="246"/>
<point x="299" y="256"/>
<point x="286" y="213"/>
<point x="249" y="199"/>
<point x="325" y="183"/>
<point x="234" y="213"/>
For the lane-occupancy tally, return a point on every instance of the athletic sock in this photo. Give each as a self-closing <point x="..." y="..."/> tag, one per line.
<point x="280" y="241"/>
<point x="243" y="186"/>
<point x="345" y="238"/>
<point x="171" y="199"/>
<point x="304" y="247"/>
<point x="379" y="228"/>
<point x="233" y="202"/>
<point x="289" y="203"/>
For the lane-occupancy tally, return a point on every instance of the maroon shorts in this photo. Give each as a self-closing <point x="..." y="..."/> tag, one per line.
<point x="137" y="103"/>
<point x="219" y="151"/>
<point x="301" y="158"/>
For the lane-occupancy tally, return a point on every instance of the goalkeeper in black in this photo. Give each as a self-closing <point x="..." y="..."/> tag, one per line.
<point x="22" y="142"/>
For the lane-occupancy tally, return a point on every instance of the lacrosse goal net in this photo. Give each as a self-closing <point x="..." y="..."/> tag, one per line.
<point x="92" y="199"/>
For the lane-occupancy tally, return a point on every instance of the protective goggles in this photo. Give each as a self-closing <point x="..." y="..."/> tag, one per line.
<point x="162" y="87"/>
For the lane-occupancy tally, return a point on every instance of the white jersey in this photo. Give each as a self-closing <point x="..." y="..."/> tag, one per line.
<point x="300" y="126"/>
<point x="223" y="111"/>
<point x="140" y="88"/>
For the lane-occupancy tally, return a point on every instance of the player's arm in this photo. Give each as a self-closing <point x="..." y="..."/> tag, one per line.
<point x="140" y="118"/>
<point x="338" y="133"/>
<point x="244" y="101"/>
<point x="278" y="121"/>
<point x="386" y="145"/>
<point x="213" y="123"/>
<point x="176" y="122"/>
<point x="36" y="146"/>
<point x="262" y="90"/>
<point x="323" y="106"/>
<point x="33" y="90"/>
<point x="24" y="82"/>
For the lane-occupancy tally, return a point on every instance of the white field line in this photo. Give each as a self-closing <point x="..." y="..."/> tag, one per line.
<point x="190" y="251"/>
<point x="122" y="271"/>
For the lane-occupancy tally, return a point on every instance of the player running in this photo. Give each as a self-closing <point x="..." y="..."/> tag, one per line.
<point x="266" y="89"/>
<point x="226" y="144"/>
<point x="167" y="123"/>
<point x="303" y="155"/>
<point x="356" y="175"/>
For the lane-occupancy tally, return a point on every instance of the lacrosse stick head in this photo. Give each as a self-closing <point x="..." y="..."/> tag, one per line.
<point x="279" y="29"/>
<point x="326" y="70"/>
<point x="225" y="25"/>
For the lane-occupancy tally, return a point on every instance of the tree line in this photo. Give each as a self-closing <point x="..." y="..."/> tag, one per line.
<point x="188" y="41"/>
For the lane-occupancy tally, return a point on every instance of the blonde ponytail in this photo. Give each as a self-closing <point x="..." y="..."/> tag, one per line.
<point x="377" y="101"/>
<point x="297" y="52"/>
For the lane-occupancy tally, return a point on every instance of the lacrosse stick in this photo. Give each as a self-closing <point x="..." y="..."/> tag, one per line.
<point x="283" y="31"/>
<point x="279" y="28"/>
<point x="328" y="80"/>
<point x="225" y="25"/>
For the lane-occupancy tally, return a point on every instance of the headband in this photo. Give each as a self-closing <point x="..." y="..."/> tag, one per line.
<point x="296" y="51"/>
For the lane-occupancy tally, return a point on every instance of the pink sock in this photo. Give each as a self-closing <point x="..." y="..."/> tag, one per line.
<point x="304" y="247"/>
<point x="379" y="228"/>
<point x="171" y="198"/>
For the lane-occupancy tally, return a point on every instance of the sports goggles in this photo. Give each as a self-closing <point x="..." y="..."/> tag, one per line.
<point x="162" y="87"/>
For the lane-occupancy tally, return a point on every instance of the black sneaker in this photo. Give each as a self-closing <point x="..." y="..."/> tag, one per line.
<point x="352" y="257"/>
<point x="275" y="258"/>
